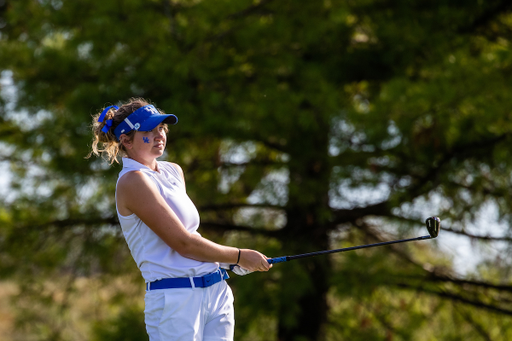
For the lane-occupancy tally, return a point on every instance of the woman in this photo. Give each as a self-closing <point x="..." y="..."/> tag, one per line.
<point x="187" y="297"/>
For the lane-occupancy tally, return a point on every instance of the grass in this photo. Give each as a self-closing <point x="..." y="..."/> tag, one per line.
<point x="67" y="309"/>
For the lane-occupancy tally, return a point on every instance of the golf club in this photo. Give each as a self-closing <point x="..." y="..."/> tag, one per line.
<point x="433" y="227"/>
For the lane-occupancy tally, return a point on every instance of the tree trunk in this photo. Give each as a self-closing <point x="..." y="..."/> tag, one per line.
<point x="303" y="311"/>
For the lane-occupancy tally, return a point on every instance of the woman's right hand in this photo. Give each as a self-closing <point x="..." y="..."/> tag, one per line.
<point x="253" y="260"/>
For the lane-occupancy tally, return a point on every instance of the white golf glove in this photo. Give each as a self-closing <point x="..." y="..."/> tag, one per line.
<point x="235" y="268"/>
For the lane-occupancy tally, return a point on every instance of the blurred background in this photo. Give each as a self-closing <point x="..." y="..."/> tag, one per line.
<point x="303" y="126"/>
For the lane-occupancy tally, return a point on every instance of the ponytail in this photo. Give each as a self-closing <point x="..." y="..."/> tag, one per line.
<point x="103" y="126"/>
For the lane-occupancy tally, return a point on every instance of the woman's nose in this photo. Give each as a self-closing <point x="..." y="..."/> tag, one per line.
<point x="160" y="134"/>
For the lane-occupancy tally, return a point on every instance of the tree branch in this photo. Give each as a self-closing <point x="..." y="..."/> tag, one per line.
<point x="456" y="298"/>
<point x="432" y="174"/>
<point x="477" y="326"/>
<point x="465" y="282"/>
<point x="474" y="236"/>
<point x="350" y="215"/>
<point x="486" y="17"/>
<point x="224" y="227"/>
<point x="229" y="206"/>
<point x="434" y="275"/>
<point x="69" y="222"/>
<point x="249" y="10"/>
<point x="253" y="162"/>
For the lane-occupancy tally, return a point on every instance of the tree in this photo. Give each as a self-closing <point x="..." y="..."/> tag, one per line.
<point x="303" y="126"/>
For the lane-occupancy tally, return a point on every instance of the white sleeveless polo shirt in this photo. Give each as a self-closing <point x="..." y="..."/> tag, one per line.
<point x="155" y="259"/>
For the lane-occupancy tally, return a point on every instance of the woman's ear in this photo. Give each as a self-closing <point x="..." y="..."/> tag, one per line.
<point x="126" y="141"/>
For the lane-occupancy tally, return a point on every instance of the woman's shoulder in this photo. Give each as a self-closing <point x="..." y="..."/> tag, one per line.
<point x="132" y="178"/>
<point x="169" y="164"/>
<point x="174" y="168"/>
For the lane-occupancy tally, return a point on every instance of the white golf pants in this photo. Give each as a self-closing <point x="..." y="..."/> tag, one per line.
<point x="190" y="314"/>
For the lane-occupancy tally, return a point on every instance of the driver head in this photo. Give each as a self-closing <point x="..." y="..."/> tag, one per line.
<point x="433" y="226"/>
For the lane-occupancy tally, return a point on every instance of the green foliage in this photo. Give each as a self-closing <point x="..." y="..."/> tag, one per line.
<point x="303" y="126"/>
<point x="127" y="326"/>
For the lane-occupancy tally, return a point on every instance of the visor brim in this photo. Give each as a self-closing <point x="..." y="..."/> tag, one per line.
<point x="151" y="122"/>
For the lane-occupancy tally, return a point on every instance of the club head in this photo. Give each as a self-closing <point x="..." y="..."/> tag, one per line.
<point x="433" y="226"/>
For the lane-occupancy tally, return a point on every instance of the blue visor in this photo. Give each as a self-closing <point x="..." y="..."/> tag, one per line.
<point x="143" y="119"/>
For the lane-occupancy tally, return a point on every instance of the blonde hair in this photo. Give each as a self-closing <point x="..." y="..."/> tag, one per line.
<point x="111" y="148"/>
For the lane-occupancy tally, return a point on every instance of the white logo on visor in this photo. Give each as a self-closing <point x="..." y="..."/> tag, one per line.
<point x="136" y="126"/>
<point x="153" y="110"/>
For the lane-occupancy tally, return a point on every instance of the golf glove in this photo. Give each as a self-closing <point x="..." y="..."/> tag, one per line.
<point x="235" y="268"/>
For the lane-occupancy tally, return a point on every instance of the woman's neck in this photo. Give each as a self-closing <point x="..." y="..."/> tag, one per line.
<point x="151" y="164"/>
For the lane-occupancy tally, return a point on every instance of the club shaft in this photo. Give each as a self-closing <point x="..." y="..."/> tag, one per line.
<point x="312" y="254"/>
